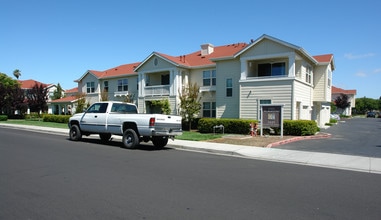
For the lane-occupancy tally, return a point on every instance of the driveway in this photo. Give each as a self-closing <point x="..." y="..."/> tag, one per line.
<point x="356" y="136"/>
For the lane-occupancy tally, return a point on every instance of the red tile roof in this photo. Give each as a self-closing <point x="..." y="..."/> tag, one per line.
<point x="336" y="90"/>
<point x="28" y="84"/>
<point x="196" y="59"/>
<point x="73" y="90"/>
<point x="116" y="71"/>
<point x="326" y="58"/>
<point x="65" y="99"/>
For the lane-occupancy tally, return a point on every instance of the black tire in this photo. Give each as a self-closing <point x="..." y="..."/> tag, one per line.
<point x="160" y="141"/>
<point x="105" y="137"/>
<point x="75" y="133"/>
<point x="130" y="139"/>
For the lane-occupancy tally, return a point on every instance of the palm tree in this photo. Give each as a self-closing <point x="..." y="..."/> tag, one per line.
<point x="17" y="73"/>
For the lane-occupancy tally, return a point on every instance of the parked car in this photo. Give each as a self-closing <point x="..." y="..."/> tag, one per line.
<point x="335" y="116"/>
<point x="371" y="115"/>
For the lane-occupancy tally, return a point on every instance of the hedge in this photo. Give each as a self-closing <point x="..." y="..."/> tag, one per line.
<point x="56" y="118"/>
<point x="300" y="127"/>
<point x="231" y="126"/>
<point x="3" y="117"/>
<point x="242" y="126"/>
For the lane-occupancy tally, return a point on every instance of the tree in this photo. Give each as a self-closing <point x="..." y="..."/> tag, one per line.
<point x="37" y="98"/>
<point x="104" y="95"/>
<point x="9" y="88"/>
<point x="17" y="73"/>
<point x="341" y="102"/>
<point x="57" y="94"/>
<point x="163" y="105"/>
<point x="189" y="103"/>
<point x="81" y="101"/>
<point x="364" y="105"/>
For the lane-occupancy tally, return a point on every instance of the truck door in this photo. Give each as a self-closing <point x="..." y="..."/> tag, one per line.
<point x="94" y="120"/>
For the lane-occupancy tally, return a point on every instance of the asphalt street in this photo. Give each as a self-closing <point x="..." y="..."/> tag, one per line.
<point x="356" y="136"/>
<point x="46" y="176"/>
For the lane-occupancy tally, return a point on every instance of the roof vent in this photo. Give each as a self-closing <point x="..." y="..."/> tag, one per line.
<point x="206" y="49"/>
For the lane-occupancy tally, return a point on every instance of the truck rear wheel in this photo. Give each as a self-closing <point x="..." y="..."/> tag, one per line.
<point x="75" y="133"/>
<point x="130" y="139"/>
<point x="160" y="141"/>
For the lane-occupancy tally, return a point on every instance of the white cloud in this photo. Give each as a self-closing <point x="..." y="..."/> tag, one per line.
<point x="361" y="74"/>
<point x="351" y="56"/>
<point x="377" y="70"/>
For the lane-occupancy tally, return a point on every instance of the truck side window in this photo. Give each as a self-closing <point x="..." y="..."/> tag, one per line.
<point x="103" y="108"/>
<point x="98" y="108"/>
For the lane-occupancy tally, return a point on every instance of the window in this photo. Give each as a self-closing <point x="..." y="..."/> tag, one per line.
<point x="209" y="109"/>
<point x="98" y="108"/>
<point x="308" y="74"/>
<point x="329" y="78"/>
<point x="209" y="78"/>
<point x="271" y="69"/>
<point x="105" y="86"/>
<point x="122" y="85"/>
<point x="229" y="87"/>
<point x="90" y="87"/>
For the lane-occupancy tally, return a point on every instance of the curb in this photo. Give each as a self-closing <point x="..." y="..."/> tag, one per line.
<point x="318" y="136"/>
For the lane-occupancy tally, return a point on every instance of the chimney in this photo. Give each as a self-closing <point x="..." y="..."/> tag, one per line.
<point x="206" y="49"/>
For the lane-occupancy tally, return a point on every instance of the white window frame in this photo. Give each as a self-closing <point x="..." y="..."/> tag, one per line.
<point x="122" y="85"/>
<point x="229" y="87"/>
<point x="90" y="87"/>
<point x="211" y="76"/>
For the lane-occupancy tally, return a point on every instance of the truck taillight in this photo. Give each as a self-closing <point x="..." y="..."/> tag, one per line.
<point x="152" y="122"/>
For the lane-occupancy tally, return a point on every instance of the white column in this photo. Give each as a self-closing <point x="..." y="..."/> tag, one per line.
<point x="291" y="65"/>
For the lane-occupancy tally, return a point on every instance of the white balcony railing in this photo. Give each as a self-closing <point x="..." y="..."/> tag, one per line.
<point x="160" y="90"/>
<point x="120" y="93"/>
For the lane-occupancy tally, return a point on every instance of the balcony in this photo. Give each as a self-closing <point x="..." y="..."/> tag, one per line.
<point x="120" y="93"/>
<point x="159" y="90"/>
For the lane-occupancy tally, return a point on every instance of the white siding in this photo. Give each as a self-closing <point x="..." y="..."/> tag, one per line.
<point x="267" y="47"/>
<point x="227" y="107"/>
<point x="303" y="94"/>
<point x="320" y="83"/>
<point x="278" y="91"/>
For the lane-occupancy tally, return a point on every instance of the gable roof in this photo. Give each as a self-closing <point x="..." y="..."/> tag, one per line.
<point x="29" y="84"/>
<point x="126" y="69"/>
<point x="67" y="99"/>
<point x="196" y="59"/>
<point x="73" y="90"/>
<point x="326" y="59"/>
<point x="284" y="43"/>
<point x="336" y="90"/>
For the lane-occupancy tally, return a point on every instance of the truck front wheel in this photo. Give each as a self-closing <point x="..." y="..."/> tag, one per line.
<point x="130" y="139"/>
<point x="75" y="133"/>
<point x="160" y="141"/>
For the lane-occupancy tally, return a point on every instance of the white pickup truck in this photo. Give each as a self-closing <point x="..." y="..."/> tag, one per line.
<point x="118" y="118"/>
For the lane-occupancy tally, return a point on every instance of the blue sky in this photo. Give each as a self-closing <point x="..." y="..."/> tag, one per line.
<point x="57" y="41"/>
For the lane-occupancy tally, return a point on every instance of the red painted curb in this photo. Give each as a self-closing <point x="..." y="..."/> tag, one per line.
<point x="317" y="136"/>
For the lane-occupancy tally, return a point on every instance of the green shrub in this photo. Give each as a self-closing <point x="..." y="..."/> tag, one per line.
<point x="231" y="126"/>
<point x="299" y="127"/>
<point x="3" y="117"/>
<point x="56" y="118"/>
<point x="332" y="121"/>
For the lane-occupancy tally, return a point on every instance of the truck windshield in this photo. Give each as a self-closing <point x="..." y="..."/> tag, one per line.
<point x="123" y="108"/>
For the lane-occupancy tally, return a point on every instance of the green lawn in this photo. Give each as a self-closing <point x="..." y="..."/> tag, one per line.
<point x="187" y="135"/>
<point x="35" y="123"/>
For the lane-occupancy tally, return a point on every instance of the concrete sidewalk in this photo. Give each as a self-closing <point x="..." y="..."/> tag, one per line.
<point x="336" y="161"/>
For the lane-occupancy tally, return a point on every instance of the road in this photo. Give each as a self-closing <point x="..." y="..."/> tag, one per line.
<point x="49" y="177"/>
<point x="357" y="136"/>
